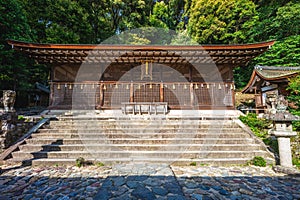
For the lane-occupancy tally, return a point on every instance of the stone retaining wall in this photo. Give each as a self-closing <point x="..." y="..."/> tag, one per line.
<point x="295" y="145"/>
<point x="12" y="129"/>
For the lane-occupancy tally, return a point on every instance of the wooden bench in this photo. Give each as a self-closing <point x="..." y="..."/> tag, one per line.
<point x="144" y="107"/>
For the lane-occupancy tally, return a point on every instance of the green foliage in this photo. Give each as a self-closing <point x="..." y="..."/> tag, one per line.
<point x="276" y="20"/>
<point x="258" y="161"/>
<point x="193" y="164"/>
<point x="80" y="162"/>
<point x="167" y="14"/>
<point x="17" y="72"/>
<point x="221" y="21"/>
<point x="100" y="164"/>
<point x="296" y="162"/>
<point x="294" y="98"/>
<point x="21" y="117"/>
<point x="257" y="126"/>
<point x="283" y="53"/>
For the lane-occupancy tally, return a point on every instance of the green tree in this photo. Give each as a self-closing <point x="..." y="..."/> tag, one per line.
<point x="167" y="14"/>
<point x="221" y="21"/>
<point x="276" y="19"/>
<point x="58" y="21"/>
<point x="13" y="25"/>
<point x="279" y="20"/>
<point x="294" y="88"/>
<point x="283" y="53"/>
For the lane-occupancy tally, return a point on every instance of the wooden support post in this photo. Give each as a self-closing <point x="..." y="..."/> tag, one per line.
<point x="161" y="92"/>
<point x="192" y="94"/>
<point x="51" y="96"/>
<point x="131" y="92"/>
<point x="233" y="95"/>
<point x="101" y="95"/>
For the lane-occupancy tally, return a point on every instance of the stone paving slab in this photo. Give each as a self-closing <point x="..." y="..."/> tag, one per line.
<point x="146" y="181"/>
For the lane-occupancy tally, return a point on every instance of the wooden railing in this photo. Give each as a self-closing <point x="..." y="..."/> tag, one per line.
<point x="109" y="95"/>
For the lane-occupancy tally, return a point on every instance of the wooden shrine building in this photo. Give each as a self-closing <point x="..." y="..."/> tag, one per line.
<point x="107" y="76"/>
<point x="267" y="80"/>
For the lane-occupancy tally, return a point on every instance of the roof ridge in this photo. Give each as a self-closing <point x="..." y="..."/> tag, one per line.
<point x="281" y="68"/>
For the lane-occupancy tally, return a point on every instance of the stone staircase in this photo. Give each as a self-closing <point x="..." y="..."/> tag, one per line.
<point x="110" y="140"/>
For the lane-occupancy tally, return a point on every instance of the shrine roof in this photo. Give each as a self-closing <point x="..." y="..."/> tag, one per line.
<point x="271" y="74"/>
<point x="238" y="54"/>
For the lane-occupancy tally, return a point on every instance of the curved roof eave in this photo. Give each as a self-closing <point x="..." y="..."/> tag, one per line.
<point x="16" y="43"/>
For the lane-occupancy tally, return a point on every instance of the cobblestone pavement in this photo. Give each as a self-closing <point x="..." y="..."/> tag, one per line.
<point x="146" y="181"/>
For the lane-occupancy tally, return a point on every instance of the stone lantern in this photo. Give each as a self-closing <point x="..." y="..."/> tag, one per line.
<point x="283" y="131"/>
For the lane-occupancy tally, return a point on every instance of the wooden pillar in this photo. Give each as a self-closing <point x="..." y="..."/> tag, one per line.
<point x="51" y="96"/>
<point x="233" y="95"/>
<point x="101" y="95"/>
<point x="131" y="92"/>
<point x="161" y="92"/>
<point x="192" y="94"/>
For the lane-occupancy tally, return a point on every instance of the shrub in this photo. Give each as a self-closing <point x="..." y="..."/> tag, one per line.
<point x="80" y="162"/>
<point x="100" y="164"/>
<point x="257" y="126"/>
<point x="258" y="161"/>
<point x="193" y="164"/>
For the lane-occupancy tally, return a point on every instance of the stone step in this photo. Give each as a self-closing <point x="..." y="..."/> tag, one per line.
<point x="142" y="140"/>
<point x="138" y="154"/>
<point x="47" y="141"/>
<point x="139" y="135"/>
<point x="109" y="161"/>
<point x="142" y="120"/>
<point x="80" y="147"/>
<point x="138" y="124"/>
<point x="140" y="130"/>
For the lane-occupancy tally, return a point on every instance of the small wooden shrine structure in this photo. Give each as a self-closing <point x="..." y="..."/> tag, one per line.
<point x="184" y="77"/>
<point x="269" y="80"/>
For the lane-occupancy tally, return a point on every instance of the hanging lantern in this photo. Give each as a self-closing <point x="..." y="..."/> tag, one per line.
<point x="116" y="86"/>
<point x="70" y="87"/>
<point x="231" y="87"/>
<point x="207" y="86"/>
<point x="196" y="86"/>
<point x="58" y="86"/>
<point x="127" y="87"/>
<point x="226" y="85"/>
<point x="185" y="86"/>
<point x="139" y="87"/>
<point x="202" y="85"/>
<point x="174" y="87"/>
<point x="104" y="87"/>
<point x="220" y="87"/>
<point x="150" y="86"/>
<point x="93" y="86"/>
<point x="66" y="85"/>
